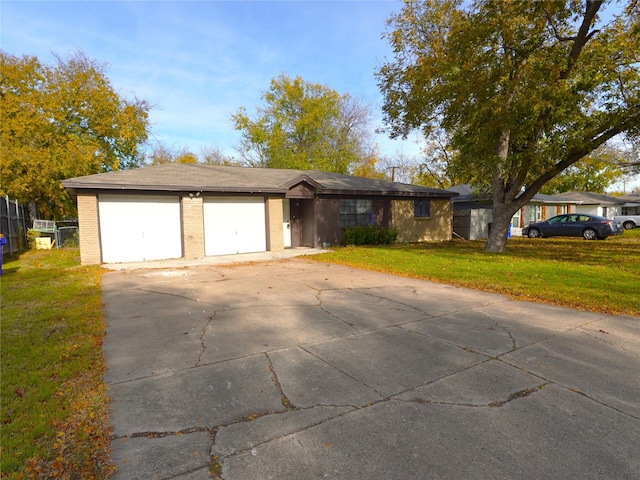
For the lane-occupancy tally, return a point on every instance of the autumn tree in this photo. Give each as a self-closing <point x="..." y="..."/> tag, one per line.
<point x="161" y="154"/>
<point x="524" y="89"/>
<point x="215" y="156"/>
<point x="306" y="126"/>
<point x="596" y="172"/>
<point x="60" y="121"/>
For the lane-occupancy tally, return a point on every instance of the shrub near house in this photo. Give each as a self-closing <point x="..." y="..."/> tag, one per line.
<point x="369" y="236"/>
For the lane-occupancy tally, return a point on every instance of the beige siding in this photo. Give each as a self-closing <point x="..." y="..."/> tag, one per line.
<point x="275" y="220"/>
<point x="192" y="227"/>
<point x="438" y="226"/>
<point x="90" y="252"/>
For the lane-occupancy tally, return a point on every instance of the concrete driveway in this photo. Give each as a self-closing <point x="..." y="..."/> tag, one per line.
<point x="298" y="370"/>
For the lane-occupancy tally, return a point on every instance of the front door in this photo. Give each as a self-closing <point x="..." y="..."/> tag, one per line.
<point x="286" y="222"/>
<point x="302" y="220"/>
<point x="295" y="221"/>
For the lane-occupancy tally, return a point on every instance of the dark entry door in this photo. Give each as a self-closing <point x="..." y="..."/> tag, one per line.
<point x="302" y="218"/>
<point x="296" y="223"/>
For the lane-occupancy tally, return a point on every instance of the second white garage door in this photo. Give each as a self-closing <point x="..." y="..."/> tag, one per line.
<point x="234" y="225"/>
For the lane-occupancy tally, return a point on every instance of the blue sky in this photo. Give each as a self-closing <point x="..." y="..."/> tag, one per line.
<point x="198" y="62"/>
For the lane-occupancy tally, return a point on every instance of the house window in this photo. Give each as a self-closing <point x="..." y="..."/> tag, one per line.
<point x="515" y="221"/>
<point x="535" y="213"/>
<point x="421" y="207"/>
<point x="356" y="213"/>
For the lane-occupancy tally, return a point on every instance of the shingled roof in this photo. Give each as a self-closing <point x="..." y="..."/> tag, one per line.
<point x="181" y="177"/>
<point x="590" y="198"/>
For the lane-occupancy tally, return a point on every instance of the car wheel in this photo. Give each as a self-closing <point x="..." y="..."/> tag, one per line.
<point x="534" y="233"/>
<point x="629" y="225"/>
<point x="589" y="234"/>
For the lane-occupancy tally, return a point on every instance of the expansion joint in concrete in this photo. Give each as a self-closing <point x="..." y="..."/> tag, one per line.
<point x="184" y="431"/>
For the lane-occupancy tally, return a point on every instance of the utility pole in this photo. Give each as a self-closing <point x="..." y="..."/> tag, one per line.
<point x="393" y="173"/>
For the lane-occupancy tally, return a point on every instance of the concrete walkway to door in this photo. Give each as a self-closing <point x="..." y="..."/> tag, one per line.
<point x="295" y="369"/>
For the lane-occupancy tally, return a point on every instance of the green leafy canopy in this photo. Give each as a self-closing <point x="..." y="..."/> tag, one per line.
<point x="306" y="126"/>
<point x="523" y="89"/>
<point x="61" y="121"/>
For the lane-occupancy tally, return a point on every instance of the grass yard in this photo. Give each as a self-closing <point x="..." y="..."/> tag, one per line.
<point x="54" y="404"/>
<point x="601" y="276"/>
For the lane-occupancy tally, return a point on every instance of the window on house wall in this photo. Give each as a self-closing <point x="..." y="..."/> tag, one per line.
<point x="356" y="212"/>
<point x="536" y="213"/>
<point x="421" y="208"/>
<point x="515" y="220"/>
<point x="630" y="211"/>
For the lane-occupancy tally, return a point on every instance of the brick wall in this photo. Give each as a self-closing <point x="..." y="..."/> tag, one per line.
<point x="192" y="227"/>
<point x="275" y="234"/>
<point x="89" y="226"/>
<point x="438" y="226"/>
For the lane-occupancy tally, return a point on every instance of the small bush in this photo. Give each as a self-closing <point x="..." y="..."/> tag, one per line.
<point x="31" y="238"/>
<point x="369" y="235"/>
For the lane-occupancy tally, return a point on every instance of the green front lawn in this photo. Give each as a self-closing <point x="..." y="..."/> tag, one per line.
<point x="600" y="276"/>
<point x="54" y="404"/>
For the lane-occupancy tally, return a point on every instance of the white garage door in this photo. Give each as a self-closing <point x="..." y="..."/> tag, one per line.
<point x="138" y="228"/>
<point x="234" y="225"/>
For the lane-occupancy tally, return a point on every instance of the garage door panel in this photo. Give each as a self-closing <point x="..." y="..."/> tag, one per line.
<point x="139" y="228"/>
<point x="234" y="225"/>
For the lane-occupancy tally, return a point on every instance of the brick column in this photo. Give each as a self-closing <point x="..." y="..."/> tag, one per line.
<point x="192" y="227"/>
<point x="275" y="234"/>
<point x="89" y="227"/>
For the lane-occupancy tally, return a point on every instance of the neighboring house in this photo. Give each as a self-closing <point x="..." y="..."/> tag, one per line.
<point x="631" y="205"/>
<point x="192" y="211"/>
<point x="594" y="203"/>
<point x="472" y="213"/>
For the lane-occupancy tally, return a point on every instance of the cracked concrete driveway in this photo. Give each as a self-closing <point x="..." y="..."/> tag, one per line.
<point x="299" y="370"/>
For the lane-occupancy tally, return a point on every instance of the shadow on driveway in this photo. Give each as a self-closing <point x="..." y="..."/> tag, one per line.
<point x="295" y="369"/>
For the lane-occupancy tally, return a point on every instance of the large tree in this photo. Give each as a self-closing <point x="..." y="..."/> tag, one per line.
<point x="597" y="172"/>
<point x="60" y="121"/>
<point x="524" y="89"/>
<point x="208" y="156"/>
<point x="304" y="125"/>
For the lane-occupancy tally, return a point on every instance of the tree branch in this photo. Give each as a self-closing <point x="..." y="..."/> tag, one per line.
<point x="591" y="9"/>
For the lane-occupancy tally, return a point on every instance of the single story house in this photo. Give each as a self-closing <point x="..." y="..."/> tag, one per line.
<point x="593" y="203"/>
<point x="631" y="204"/>
<point x="472" y="213"/>
<point x="191" y="211"/>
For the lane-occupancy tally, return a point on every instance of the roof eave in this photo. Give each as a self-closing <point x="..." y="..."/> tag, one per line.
<point x="76" y="186"/>
<point x="388" y="193"/>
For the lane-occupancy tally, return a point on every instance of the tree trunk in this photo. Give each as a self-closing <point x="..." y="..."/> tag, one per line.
<point x="33" y="210"/>
<point x="497" y="240"/>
